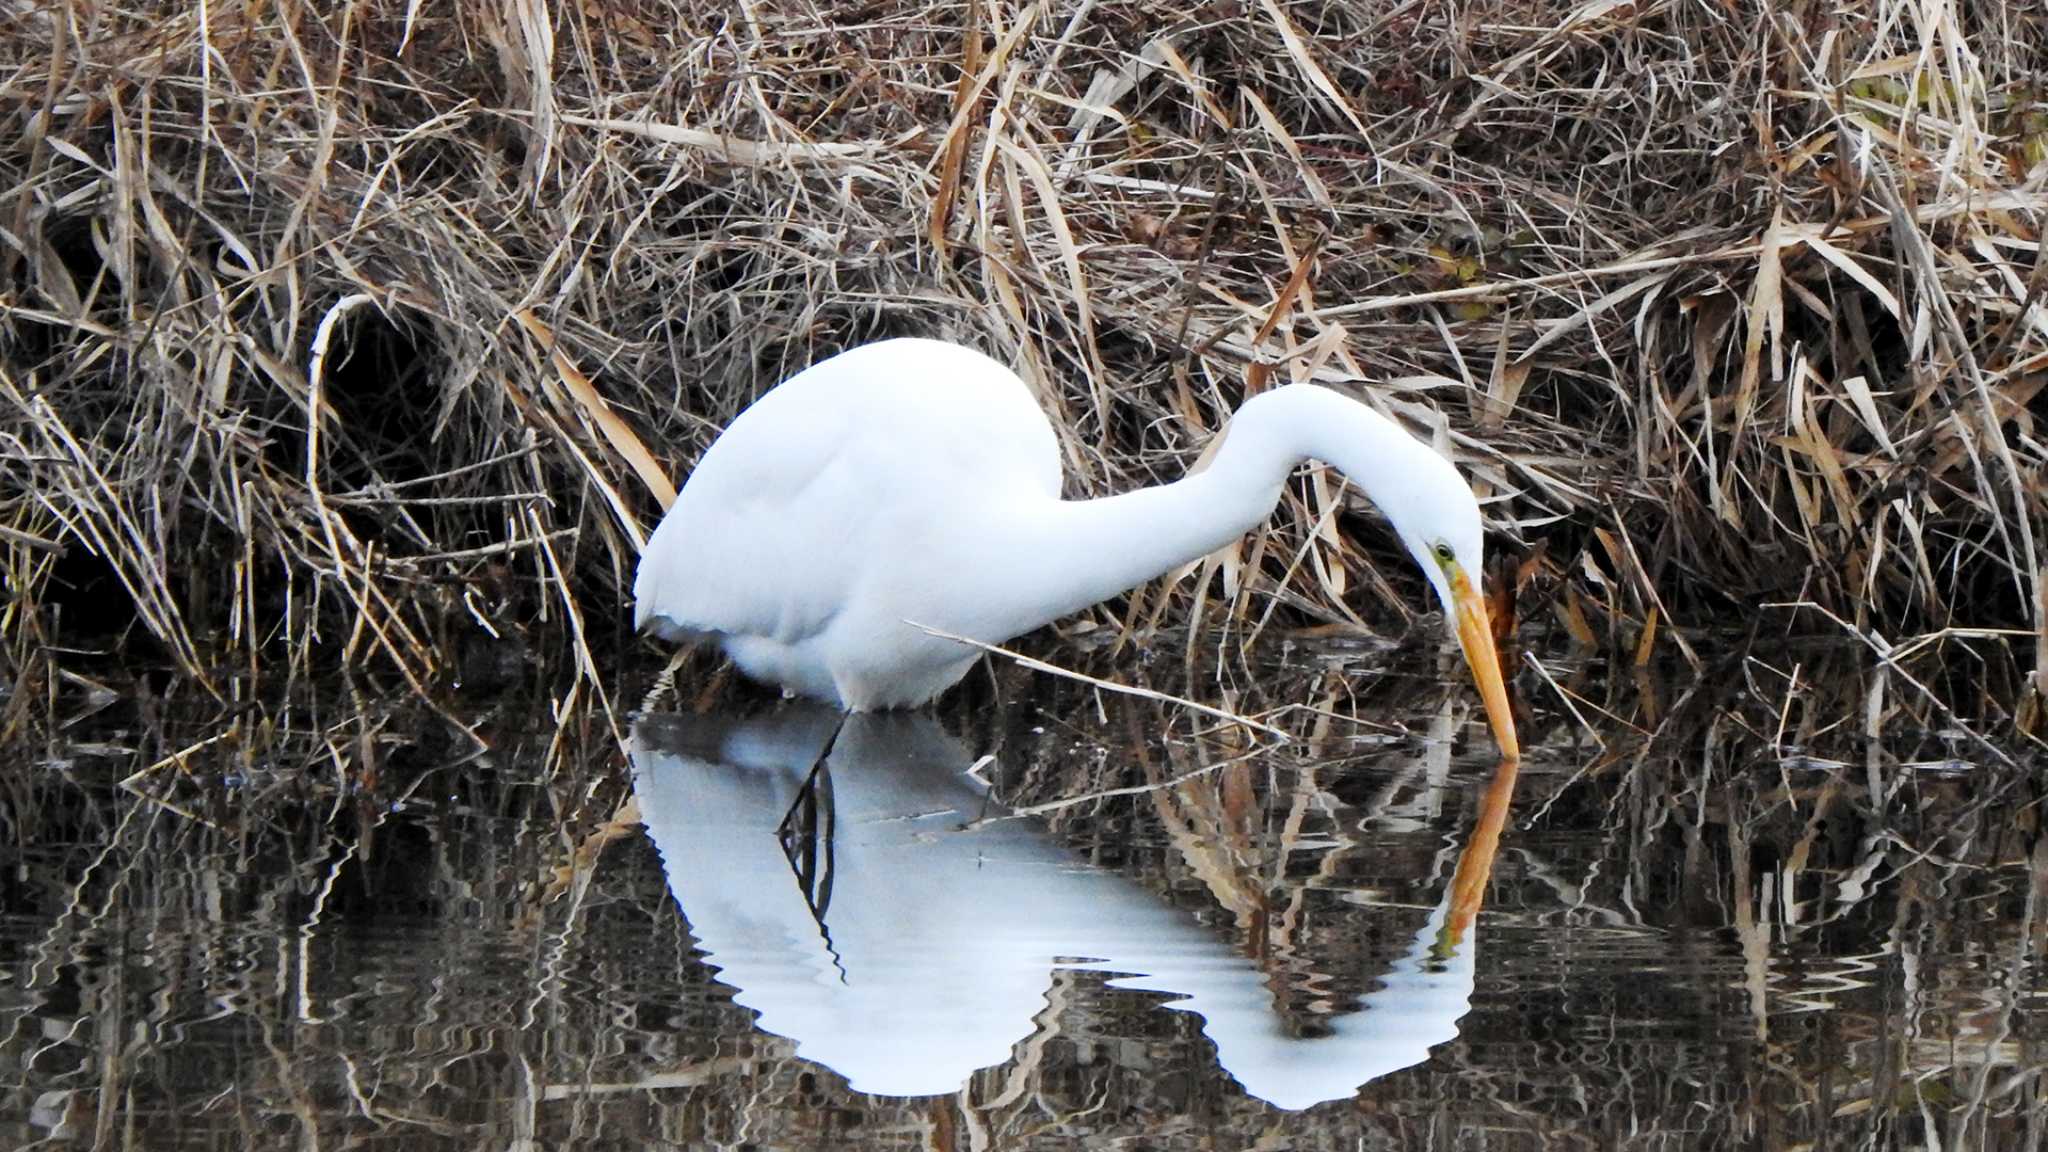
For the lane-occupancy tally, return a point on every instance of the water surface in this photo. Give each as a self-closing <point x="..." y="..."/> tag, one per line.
<point x="1044" y="916"/>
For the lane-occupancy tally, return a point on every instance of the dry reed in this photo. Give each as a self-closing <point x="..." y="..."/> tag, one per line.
<point x="347" y="335"/>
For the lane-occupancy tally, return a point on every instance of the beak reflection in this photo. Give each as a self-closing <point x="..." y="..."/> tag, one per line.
<point x="1475" y="863"/>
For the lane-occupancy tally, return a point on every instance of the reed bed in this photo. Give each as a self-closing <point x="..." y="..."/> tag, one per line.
<point x="375" y="335"/>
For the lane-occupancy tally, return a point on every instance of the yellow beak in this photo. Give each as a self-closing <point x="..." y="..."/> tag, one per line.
<point x="1475" y="635"/>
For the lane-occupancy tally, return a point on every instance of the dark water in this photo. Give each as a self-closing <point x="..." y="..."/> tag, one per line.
<point x="1697" y="916"/>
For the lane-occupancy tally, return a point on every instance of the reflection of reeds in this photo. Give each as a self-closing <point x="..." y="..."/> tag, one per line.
<point x="1729" y="930"/>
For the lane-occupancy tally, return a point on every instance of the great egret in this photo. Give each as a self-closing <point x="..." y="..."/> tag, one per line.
<point x="914" y="482"/>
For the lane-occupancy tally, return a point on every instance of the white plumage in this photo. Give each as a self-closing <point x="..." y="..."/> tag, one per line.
<point x="914" y="482"/>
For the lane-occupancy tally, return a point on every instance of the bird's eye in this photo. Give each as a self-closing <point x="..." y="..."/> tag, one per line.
<point x="1443" y="553"/>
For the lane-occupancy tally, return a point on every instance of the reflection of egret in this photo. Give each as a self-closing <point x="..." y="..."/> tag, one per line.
<point x="936" y="952"/>
<point x="913" y="480"/>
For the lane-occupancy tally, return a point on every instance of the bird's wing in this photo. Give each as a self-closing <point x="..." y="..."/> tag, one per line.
<point x="761" y="538"/>
<point x="843" y="468"/>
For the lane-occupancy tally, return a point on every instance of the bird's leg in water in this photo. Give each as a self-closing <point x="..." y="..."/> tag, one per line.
<point x="805" y="831"/>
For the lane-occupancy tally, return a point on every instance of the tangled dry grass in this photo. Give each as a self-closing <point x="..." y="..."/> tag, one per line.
<point x="330" y="335"/>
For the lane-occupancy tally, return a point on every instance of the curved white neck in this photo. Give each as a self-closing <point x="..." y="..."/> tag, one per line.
<point x="1073" y="553"/>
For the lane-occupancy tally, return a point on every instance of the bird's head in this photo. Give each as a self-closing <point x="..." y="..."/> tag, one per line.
<point x="1440" y="525"/>
<point x="1418" y="490"/>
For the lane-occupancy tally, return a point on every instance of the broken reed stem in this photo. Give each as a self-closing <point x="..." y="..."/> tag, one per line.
<point x="1887" y="658"/>
<point x="1036" y="665"/>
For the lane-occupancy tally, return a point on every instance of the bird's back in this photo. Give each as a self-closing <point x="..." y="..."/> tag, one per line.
<point x="793" y="508"/>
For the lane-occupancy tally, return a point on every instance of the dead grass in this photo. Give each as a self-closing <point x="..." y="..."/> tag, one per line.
<point x="339" y="337"/>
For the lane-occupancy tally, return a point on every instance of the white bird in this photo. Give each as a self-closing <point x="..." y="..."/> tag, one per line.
<point x="913" y="484"/>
